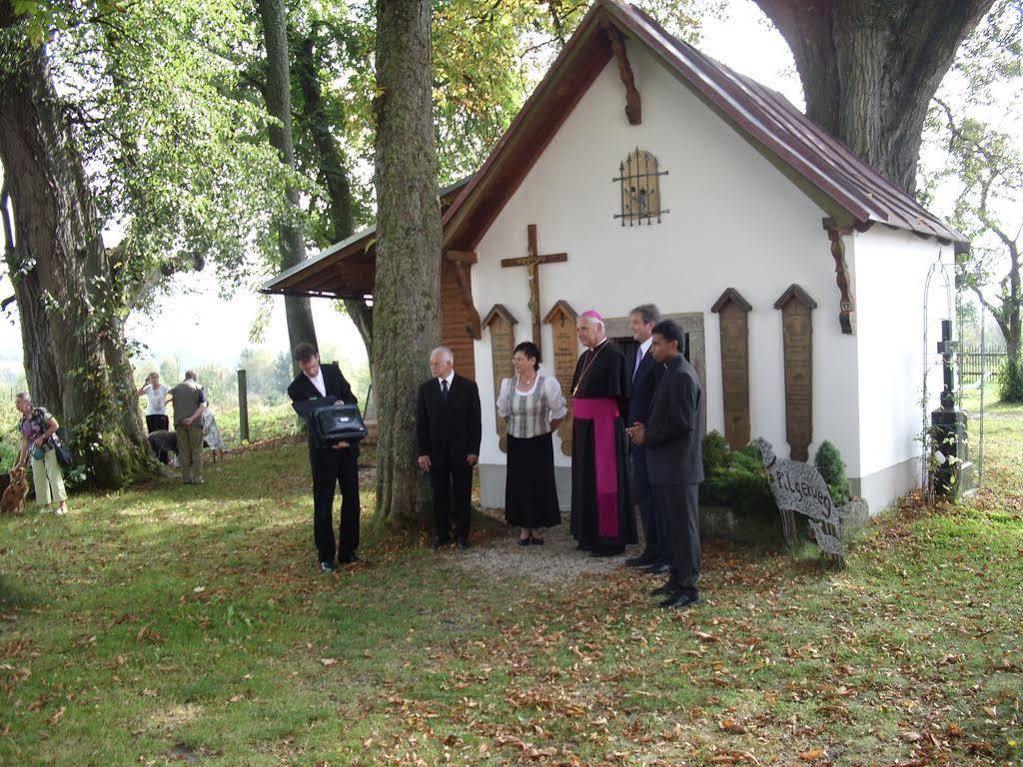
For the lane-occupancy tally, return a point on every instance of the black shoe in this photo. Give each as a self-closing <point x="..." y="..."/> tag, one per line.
<point x="525" y="541"/>
<point x="643" y="560"/>
<point x="536" y="541"/>
<point x="660" y="568"/>
<point x="584" y="547"/>
<point x="349" y="559"/>
<point x="463" y="544"/>
<point x="327" y="567"/>
<point x="681" y="601"/>
<point x="438" y="541"/>
<point x="667" y="589"/>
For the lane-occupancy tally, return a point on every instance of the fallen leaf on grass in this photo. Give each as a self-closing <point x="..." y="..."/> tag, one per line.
<point x="328" y="662"/>
<point x="813" y="755"/>
<point x="703" y="636"/>
<point x="911" y="737"/>
<point x="58" y="715"/>
<point x="732" y="726"/>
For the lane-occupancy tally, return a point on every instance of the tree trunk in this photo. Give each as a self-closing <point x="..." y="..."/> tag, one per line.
<point x="277" y="95"/>
<point x="63" y="281"/>
<point x="406" y="312"/>
<point x="332" y="172"/>
<point x="869" y="69"/>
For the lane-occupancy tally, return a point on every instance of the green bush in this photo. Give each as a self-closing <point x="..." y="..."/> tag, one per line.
<point x="832" y="468"/>
<point x="1010" y="381"/>
<point x="735" y="478"/>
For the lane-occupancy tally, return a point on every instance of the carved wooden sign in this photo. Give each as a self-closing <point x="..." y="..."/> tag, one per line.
<point x="562" y="319"/>
<point x="502" y="349"/>
<point x="797" y="332"/>
<point x="732" y="310"/>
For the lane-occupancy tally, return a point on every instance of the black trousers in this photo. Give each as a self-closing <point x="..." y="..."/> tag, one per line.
<point x="330" y="469"/>
<point x="451" y="481"/>
<point x="158" y="423"/>
<point x="680" y="507"/>
<point x="643" y="494"/>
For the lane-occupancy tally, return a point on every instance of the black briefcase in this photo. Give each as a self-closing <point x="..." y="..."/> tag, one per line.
<point x="338" y="422"/>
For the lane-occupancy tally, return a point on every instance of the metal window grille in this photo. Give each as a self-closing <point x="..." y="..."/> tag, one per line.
<point x="639" y="186"/>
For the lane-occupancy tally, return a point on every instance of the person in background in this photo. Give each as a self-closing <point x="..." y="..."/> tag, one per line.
<point x="37" y="428"/>
<point x="449" y="428"/>
<point x="156" y="408"/>
<point x="533" y="406"/>
<point x="333" y="466"/>
<point x="189" y="403"/>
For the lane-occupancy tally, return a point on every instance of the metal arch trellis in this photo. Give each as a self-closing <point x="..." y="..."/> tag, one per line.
<point x="639" y="188"/>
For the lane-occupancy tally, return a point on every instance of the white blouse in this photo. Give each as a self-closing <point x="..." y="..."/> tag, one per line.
<point x="551" y="395"/>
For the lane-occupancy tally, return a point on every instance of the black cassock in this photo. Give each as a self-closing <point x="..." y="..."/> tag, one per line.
<point x="602" y="515"/>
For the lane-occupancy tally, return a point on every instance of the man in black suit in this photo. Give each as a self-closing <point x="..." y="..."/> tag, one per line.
<point x="337" y="464"/>
<point x="656" y="553"/>
<point x="675" y="461"/>
<point x="448" y="432"/>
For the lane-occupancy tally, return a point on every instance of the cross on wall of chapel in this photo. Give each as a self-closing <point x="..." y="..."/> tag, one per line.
<point x="532" y="263"/>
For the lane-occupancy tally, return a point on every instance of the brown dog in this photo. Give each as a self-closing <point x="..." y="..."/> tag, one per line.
<point x="13" y="501"/>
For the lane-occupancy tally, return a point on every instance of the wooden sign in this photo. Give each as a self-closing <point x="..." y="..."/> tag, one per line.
<point x="502" y="349"/>
<point x="797" y="330"/>
<point x="732" y="310"/>
<point x="562" y="319"/>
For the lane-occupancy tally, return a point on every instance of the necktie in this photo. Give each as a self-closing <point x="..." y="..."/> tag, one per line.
<point x="444" y="389"/>
<point x="639" y="360"/>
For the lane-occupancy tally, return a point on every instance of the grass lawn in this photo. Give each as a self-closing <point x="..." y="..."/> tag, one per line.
<point x="173" y="625"/>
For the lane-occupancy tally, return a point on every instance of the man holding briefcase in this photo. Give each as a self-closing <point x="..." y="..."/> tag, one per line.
<point x="331" y="464"/>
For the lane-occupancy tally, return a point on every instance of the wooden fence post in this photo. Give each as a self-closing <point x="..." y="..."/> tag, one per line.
<point x="243" y="407"/>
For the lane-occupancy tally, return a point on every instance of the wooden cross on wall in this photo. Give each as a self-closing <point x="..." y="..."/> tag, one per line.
<point x="532" y="263"/>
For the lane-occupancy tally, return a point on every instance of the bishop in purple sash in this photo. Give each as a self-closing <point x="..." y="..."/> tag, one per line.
<point x="602" y="520"/>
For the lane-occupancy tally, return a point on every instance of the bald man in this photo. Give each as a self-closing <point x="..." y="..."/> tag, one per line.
<point x="448" y="431"/>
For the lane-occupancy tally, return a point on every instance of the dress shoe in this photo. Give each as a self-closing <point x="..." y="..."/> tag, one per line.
<point x="680" y="601"/>
<point x="327" y="567"/>
<point x="667" y="589"/>
<point x="349" y="559"/>
<point x="525" y="541"/>
<point x="536" y="541"/>
<point x="643" y="560"/>
<point x="660" y="568"/>
<point x="463" y="544"/>
<point x="608" y="552"/>
<point x="439" y="541"/>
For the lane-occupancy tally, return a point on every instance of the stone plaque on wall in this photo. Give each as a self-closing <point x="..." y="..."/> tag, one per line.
<point x="502" y="347"/>
<point x="732" y="310"/>
<point x="797" y="333"/>
<point x="562" y="319"/>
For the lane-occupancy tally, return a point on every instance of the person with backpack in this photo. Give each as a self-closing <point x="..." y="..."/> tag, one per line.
<point x="39" y="441"/>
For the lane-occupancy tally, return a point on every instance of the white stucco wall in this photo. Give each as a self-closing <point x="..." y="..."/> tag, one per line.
<point x="735" y="221"/>
<point x="894" y="357"/>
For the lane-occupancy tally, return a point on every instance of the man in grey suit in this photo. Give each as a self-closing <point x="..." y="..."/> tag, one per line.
<point x="675" y="462"/>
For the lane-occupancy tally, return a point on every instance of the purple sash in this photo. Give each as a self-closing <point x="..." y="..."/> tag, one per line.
<point x="603" y="412"/>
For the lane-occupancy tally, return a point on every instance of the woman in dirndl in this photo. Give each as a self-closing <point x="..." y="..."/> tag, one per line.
<point x="533" y="406"/>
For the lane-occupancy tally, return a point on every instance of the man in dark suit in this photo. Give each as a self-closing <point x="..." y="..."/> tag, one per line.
<point x="655" y="554"/>
<point x="675" y="461"/>
<point x="448" y="432"/>
<point x="337" y="464"/>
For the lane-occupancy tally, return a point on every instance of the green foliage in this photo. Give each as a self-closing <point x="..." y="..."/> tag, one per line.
<point x="10" y="437"/>
<point x="735" y="478"/>
<point x="832" y="468"/>
<point x="1010" y="381"/>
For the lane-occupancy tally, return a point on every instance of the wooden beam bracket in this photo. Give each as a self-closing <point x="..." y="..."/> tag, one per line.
<point x="633" y="104"/>
<point x="847" y="304"/>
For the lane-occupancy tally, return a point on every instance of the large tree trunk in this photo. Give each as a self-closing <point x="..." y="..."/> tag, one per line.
<point x="406" y="314"/>
<point x="63" y="281"/>
<point x="277" y="94"/>
<point x="869" y="69"/>
<point x="332" y="172"/>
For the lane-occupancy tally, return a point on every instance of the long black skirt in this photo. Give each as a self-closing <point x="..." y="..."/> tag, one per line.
<point x="530" y="493"/>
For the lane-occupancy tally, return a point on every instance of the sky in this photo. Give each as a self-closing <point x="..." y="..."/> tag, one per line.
<point x="197" y="325"/>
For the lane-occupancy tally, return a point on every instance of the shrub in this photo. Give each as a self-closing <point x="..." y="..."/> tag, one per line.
<point x="1010" y="381"/>
<point x="832" y="468"/>
<point x="715" y="450"/>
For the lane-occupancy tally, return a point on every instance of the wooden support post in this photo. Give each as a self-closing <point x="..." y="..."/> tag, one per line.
<point x="243" y="407"/>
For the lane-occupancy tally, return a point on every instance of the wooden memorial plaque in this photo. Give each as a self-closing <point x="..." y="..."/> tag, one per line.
<point x="797" y="329"/>
<point x="562" y="319"/>
<point x="502" y="349"/>
<point x="733" y="310"/>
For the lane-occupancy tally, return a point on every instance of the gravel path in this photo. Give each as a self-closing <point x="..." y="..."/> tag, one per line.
<point x="558" y="560"/>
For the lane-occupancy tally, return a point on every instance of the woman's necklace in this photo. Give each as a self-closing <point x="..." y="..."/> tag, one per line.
<point x="528" y="384"/>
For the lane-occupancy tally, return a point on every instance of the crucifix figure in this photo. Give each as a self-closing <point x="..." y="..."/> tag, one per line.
<point x="947" y="350"/>
<point x="532" y="263"/>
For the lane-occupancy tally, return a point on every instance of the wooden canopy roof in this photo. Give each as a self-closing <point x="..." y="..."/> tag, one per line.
<point x="823" y="167"/>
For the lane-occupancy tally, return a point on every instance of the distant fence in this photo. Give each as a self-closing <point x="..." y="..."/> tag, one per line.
<point x="973" y="359"/>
